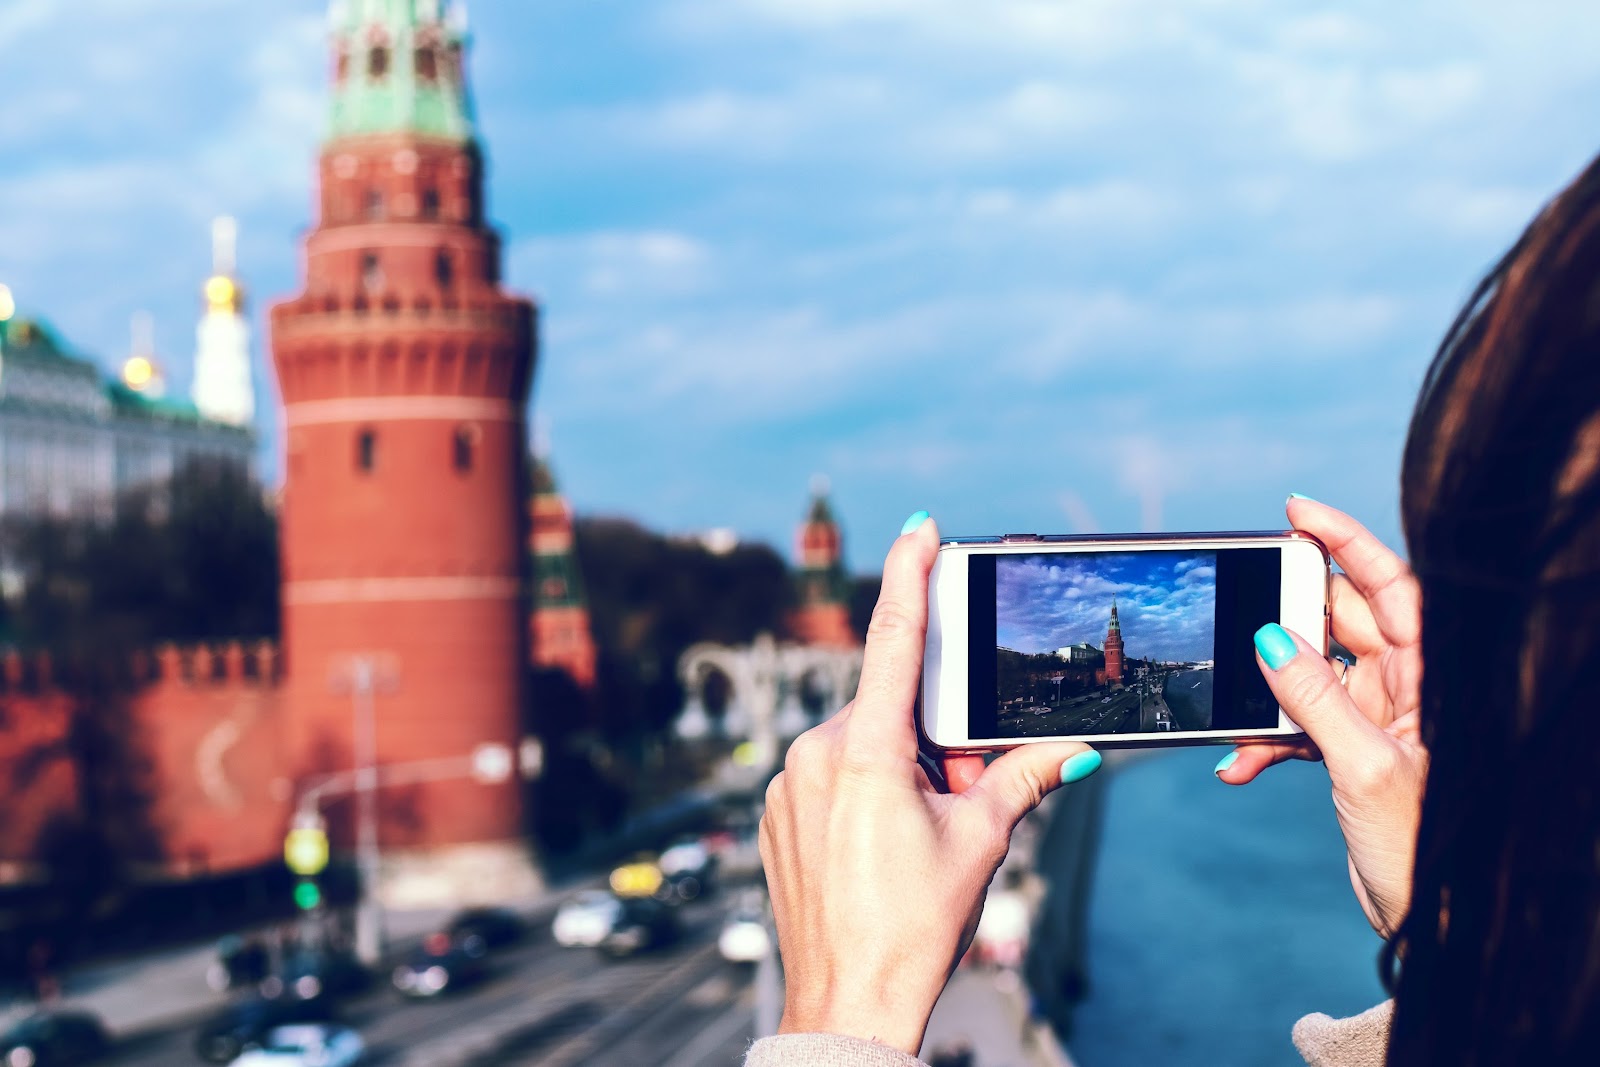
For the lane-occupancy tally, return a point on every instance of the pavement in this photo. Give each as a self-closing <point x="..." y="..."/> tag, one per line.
<point x="553" y="1006"/>
<point x="681" y="1006"/>
<point x="169" y="985"/>
<point x="986" y="1011"/>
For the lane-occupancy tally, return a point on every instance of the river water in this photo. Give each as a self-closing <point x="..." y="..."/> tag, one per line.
<point x="1220" y="915"/>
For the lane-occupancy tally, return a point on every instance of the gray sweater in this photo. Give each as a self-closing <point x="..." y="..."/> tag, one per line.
<point x="1360" y="1041"/>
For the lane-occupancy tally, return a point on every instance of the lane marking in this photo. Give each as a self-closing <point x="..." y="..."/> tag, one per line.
<point x="736" y="1020"/>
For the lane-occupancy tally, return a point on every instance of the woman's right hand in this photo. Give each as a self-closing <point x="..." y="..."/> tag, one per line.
<point x="1367" y="732"/>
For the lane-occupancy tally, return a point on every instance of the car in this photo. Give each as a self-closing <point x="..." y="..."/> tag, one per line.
<point x="744" y="937"/>
<point x="49" y="1038"/>
<point x="686" y="856"/>
<point x="305" y="1045"/>
<point x="442" y="964"/>
<point x="312" y="973"/>
<point x="584" y="921"/>
<point x="641" y="925"/>
<point x="241" y="963"/>
<point x="246" y="1022"/>
<point x="498" y="927"/>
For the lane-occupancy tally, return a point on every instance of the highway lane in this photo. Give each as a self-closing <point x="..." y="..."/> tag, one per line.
<point x="1094" y="715"/>
<point x="548" y="1005"/>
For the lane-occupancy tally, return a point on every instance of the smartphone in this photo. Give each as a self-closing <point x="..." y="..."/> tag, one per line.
<point x="1129" y="640"/>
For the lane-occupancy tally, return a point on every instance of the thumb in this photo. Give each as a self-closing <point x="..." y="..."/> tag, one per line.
<point x="1310" y="692"/>
<point x="1014" y="784"/>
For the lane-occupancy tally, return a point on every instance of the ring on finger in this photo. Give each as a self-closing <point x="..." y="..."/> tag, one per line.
<point x="1345" y="666"/>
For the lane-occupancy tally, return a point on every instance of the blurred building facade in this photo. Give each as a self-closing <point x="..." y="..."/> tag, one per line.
<point x="822" y="588"/>
<point x="405" y="373"/>
<point x="559" y="631"/>
<point x="71" y="439"/>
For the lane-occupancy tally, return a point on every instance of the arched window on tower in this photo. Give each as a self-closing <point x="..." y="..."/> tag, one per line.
<point x="444" y="268"/>
<point x="366" y="450"/>
<point x="427" y="61"/>
<point x="371" y="272"/>
<point x="374" y="203"/>
<point x="377" y="61"/>
<point x="430" y="203"/>
<point x="463" y="447"/>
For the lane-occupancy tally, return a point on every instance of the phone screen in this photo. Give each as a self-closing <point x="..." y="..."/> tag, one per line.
<point x="1077" y="643"/>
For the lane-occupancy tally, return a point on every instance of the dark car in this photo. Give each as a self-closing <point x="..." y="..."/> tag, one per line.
<point x="313" y="974"/>
<point x="49" y="1038"/>
<point x="442" y="964"/>
<point x="246" y="1022"/>
<point x="642" y="924"/>
<point x="497" y="927"/>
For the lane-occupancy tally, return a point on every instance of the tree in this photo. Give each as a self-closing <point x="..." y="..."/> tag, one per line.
<point x="193" y="560"/>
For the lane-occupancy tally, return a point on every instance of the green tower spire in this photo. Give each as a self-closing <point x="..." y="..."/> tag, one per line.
<point x="399" y="67"/>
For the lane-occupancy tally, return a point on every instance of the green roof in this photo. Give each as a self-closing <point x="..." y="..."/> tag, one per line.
<point x="544" y="482"/>
<point x="33" y="341"/>
<point x="401" y="69"/>
<point x="30" y="339"/>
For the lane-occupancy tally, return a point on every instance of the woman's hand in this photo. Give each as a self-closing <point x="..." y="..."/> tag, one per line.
<point x="877" y="879"/>
<point x="1365" y="730"/>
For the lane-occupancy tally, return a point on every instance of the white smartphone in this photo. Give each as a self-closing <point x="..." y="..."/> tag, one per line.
<point x="1131" y="640"/>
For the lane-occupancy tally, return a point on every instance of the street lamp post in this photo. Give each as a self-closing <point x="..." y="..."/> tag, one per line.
<point x="362" y="678"/>
<point x="490" y="763"/>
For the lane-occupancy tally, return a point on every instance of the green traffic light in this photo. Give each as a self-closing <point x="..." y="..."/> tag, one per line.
<point x="307" y="895"/>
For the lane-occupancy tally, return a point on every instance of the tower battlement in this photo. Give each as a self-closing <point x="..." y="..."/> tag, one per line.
<point x="216" y="664"/>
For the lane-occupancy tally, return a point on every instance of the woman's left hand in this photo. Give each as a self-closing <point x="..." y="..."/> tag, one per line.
<point x="877" y="878"/>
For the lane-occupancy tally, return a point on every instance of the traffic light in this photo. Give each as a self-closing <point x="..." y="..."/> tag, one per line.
<point x="307" y="894"/>
<point x="305" y="848"/>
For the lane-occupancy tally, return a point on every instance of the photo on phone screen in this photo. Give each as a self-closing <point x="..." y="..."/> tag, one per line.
<point x="1136" y="642"/>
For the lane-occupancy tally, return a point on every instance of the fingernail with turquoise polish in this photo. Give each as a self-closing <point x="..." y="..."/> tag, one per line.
<point x="916" y="520"/>
<point x="1225" y="762"/>
<point x="1080" y="767"/>
<point x="1302" y="496"/>
<point x="1275" y="645"/>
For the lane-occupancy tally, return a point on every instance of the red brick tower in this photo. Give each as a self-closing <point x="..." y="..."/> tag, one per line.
<point x="404" y="371"/>
<point x="823" y="614"/>
<point x="560" y="632"/>
<point x="1114" y="647"/>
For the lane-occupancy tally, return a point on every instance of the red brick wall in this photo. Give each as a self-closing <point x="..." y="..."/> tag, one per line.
<point x="209" y="722"/>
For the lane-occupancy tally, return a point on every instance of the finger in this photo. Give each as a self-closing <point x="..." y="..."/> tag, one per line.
<point x="1377" y="573"/>
<point x="891" y="667"/>
<point x="1241" y="766"/>
<point x="1014" y="784"/>
<point x="960" y="772"/>
<point x="1350" y="619"/>
<point x="1309" y="690"/>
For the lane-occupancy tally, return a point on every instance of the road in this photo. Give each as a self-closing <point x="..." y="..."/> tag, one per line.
<point x="1182" y="698"/>
<point x="552" y="1006"/>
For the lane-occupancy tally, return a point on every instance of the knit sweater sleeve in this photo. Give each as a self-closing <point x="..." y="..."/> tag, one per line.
<point x="1359" y="1041"/>
<point x="825" y="1050"/>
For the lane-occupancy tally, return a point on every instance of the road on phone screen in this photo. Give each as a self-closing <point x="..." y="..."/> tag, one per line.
<point x="1172" y="700"/>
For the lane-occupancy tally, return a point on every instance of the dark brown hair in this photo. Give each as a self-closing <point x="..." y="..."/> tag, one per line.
<point x="1499" y="959"/>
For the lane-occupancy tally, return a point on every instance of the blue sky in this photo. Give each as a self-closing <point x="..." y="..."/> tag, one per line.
<point x="1166" y="602"/>
<point x="1035" y="265"/>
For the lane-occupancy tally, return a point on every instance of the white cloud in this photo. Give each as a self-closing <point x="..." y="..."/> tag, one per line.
<point x="614" y="264"/>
